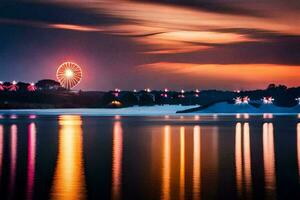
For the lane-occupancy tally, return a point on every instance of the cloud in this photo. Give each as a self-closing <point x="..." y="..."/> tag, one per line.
<point x="234" y="76"/>
<point x="117" y="36"/>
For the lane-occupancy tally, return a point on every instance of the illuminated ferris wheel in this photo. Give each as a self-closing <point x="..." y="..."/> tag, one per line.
<point x="69" y="75"/>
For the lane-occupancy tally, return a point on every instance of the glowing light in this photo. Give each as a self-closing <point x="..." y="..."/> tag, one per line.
<point x="13" y="117"/>
<point x="1" y="148"/>
<point x="31" y="159"/>
<point x="32" y="117"/>
<point x="1" y="86"/>
<point x="181" y="95"/>
<point x="69" y="75"/>
<point x="116" y="103"/>
<point x="238" y="157"/>
<point x="148" y="90"/>
<point x="182" y="163"/>
<point x="13" y="87"/>
<point x="268" y="100"/>
<point x="134" y="90"/>
<point x="267" y="116"/>
<point x="246" y="116"/>
<point x="13" y="157"/>
<point x="166" y="164"/>
<point x="247" y="158"/>
<point x="239" y="100"/>
<point x="31" y="87"/>
<point x="68" y="181"/>
<point x="117" y="160"/>
<point x="269" y="160"/>
<point x="197" y="163"/>
<point x="298" y="100"/>
<point x="298" y="147"/>
<point x="166" y="90"/>
<point x="243" y="159"/>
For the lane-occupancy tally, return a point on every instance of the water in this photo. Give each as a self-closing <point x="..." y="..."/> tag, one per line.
<point x="171" y="157"/>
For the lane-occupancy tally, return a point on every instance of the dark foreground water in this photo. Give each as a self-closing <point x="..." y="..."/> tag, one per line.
<point x="212" y="157"/>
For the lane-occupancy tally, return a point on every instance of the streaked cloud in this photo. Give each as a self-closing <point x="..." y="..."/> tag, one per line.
<point x="234" y="76"/>
<point x="191" y="39"/>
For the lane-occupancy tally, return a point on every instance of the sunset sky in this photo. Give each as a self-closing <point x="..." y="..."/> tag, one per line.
<point x="205" y="44"/>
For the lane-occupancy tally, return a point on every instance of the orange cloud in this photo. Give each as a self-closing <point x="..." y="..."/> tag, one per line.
<point x="243" y="75"/>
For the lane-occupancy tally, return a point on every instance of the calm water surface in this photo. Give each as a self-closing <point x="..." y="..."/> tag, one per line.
<point x="171" y="157"/>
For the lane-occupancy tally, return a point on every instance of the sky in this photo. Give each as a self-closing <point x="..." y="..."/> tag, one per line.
<point x="136" y="44"/>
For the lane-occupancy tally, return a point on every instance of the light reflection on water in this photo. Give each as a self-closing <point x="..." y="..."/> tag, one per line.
<point x="151" y="158"/>
<point x="117" y="160"/>
<point x="69" y="181"/>
<point x="269" y="160"/>
<point x="31" y="159"/>
<point x="298" y="147"/>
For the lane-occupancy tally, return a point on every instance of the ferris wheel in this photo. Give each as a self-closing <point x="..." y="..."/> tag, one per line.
<point x="69" y="75"/>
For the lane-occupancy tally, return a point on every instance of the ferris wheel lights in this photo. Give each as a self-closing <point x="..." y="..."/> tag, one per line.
<point x="69" y="75"/>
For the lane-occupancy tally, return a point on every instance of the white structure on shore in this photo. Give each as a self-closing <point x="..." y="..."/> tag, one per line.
<point x="240" y="101"/>
<point x="268" y="100"/>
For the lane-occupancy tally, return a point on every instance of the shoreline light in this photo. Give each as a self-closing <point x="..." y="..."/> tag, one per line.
<point x="240" y="100"/>
<point x="268" y="100"/>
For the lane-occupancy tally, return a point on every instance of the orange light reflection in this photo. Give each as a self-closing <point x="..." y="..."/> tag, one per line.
<point x="197" y="164"/>
<point x="117" y="160"/>
<point x="269" y="160"/>
<point x="166" y="162"/>
<point x="68" y="182"/>
<point x="182" y="164"/>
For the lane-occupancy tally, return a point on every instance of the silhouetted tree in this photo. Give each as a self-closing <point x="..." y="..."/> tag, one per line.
<point x="48" y="84"/>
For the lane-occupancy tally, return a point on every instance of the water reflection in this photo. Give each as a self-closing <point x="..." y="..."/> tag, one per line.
<point x="247" y="159"/>
<point x="31" y="159"/>
<point x="13" y="158"/>
<point x="68" y="182"/>
<point x="182" y="163"/>
<point x="187" y="159"/>
<point x="197" y="163"/>
<point x="269" y="160"/>
<point x="238" y="157"/>
<point x="117" y="160"/>
<point x="298" y="148"/>
<point x="243" y="159"/>
<point x="166" y="164"/>
<point x="1" y="148"/>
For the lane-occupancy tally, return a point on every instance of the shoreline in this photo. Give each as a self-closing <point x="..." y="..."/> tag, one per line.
<point x="136" y="111"/>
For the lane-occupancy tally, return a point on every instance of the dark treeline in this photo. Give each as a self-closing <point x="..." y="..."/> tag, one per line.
<point x="49" y="94"/>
